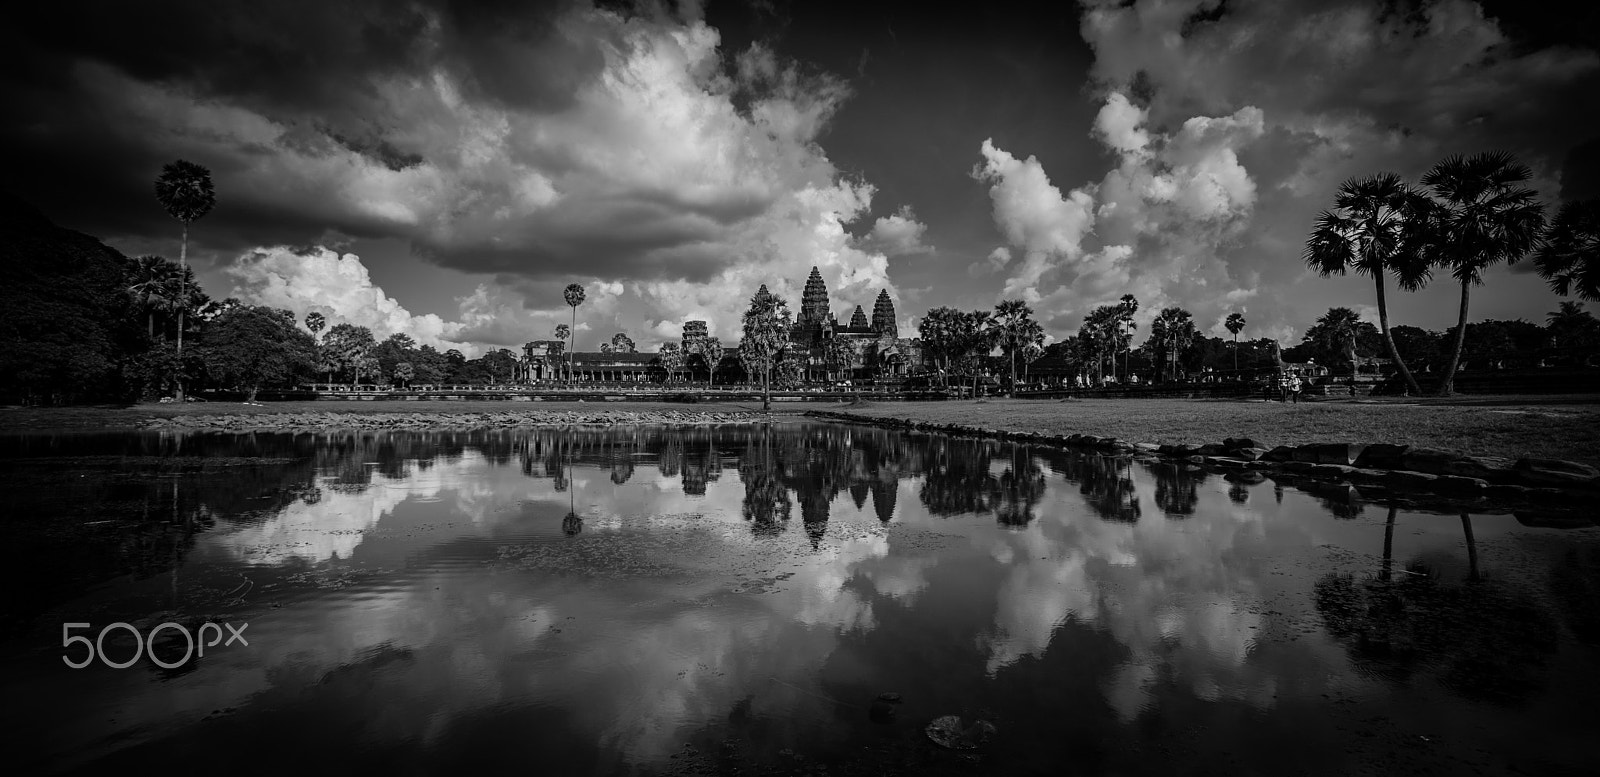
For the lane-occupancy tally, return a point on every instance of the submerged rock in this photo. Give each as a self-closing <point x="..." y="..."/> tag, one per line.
<point x="950" y="731"/>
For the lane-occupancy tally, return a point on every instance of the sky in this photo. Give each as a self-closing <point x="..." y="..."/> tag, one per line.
<point x="443" y="169"/>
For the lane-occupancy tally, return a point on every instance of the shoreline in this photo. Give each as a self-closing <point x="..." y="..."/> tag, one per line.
<point x="1419" y="477"/>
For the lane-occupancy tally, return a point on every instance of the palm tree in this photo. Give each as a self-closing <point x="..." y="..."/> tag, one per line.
<point x="148" y="276"/>
<point x="1374" y="228"/>
<point x="1009" y="324"/>
<point x="574" y="296"/>
<point x="184" y="190"/>
<point x="562" y="333"/>
<point x="315" y="322"/>
<point x="1569" y="256"/>
<point x="1483" y="216"/>
<point x="1235" y="325"/>
<point x="1335" y="332"/>
<point x="1125" y="310"/>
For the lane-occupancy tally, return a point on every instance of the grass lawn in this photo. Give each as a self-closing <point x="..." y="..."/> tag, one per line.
<point x="1553" y="427"/>
<point x="121" y="418"/>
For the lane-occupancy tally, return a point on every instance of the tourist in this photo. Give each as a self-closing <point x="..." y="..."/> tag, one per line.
<point x="1294" y="389"/>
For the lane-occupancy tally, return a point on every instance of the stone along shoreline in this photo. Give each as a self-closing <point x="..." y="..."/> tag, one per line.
<point x="1453" y="480"/>
<point x="508" y="419"/>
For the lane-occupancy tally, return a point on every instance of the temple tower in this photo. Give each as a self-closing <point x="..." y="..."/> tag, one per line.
<point x="859" y="319"/>
<point x="883" y="316"/>
<point x="694" y="336"/>
<point x="813" y="302"/>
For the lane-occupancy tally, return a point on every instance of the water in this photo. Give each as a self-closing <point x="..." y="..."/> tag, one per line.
<point x="734" y="600"/>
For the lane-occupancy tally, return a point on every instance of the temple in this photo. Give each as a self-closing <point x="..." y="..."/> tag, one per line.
<point x="873" y="349"/>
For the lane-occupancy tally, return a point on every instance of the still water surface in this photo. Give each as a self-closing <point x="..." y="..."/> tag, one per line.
<point x="734" y="600"/>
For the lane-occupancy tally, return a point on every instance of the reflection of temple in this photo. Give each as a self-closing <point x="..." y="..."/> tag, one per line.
<point x="875" y="347"/>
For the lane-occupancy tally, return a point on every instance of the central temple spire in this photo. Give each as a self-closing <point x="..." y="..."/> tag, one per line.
<point x="814" y="301"/>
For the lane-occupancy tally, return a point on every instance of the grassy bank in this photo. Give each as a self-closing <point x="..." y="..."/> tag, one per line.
<point x="1562" y="428"/>
<point x="108" y="418"/>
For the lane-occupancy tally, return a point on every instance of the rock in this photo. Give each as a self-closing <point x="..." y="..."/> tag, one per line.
<point x="1364" y="475"/>
<point x="1196" y="459"/>
<point x="1430" y="460"/>
<point x="1405" y="479"/>
<point x="1212" y="449"/>
<point x="881" y="712"/>
<point x="1457" y="484"/>
<point x="1300" y="467"/>
<point x="1382" y="456"/>
<point x="1249" y="454"/>
<point x="950" y="731"/>
<point x="1543" y="519"/>
<point x="1329" y="453"/>
<point x="1491" y="468"/>
<point x="1339" y="471"/>
<point x="1553" y="472"/>
<point x="1280" y="453"/>
<point x="1146" y="447"/>
<point x="1225" y="462"/>
<point x="1248" y="477"/>
<point x="1240" y="443"/>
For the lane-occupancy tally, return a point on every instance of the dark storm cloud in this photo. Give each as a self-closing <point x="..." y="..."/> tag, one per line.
<point x="313" y="67"/>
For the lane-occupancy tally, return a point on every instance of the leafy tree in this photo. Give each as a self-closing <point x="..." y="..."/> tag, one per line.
<point x="1483" y="216"/>
<point x="396" y="348"/>
<point x="498" y="365"/>
<point x="404" y="373"/>
<point x="766" y="337"/>
<point x="839" y="355"/>
<point x="1098" y="337"/>
<point x="1417" y="345"/>
<point x="1376" y="227"/>
<point x="349" y="346"/>
<point x="1569" y="256"/>
<point x="671" y="358"/>
<point x="1334" y="335"/>
<point x="574" y="296"/>
<point x="941" y="335"/>
<point x="711" y="351"/>
<point x="1574" y="331"/>
<point x="1235" y="325"/>
<point x="184" y="189"/>
<point x="250" y="347"/>
<point x="1171" y="333"/>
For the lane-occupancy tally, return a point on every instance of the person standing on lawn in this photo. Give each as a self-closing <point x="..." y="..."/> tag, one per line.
<point x="1294" y="388"/>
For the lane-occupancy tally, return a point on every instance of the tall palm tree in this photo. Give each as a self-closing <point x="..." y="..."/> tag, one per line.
<point x="562" y="333"/>
<point x="315" y="322"/>
<point x="184" y="190"/>
<point x="149" y="275"/>
<point x="1569" y="256"/>
<point x="1235" y="325"/>
<point x="574" y="296"/>
<point x="1483" y="215"/>
<point x="1125" y="310"/>
<point x="1375" y="227"/>
<point x="1009" y="324"/>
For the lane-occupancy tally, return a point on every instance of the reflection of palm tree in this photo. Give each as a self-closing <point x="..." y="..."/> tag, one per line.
<point x="1177" y="489"/>
<point x="766" y="500"/>
<point x="1104" y="482"/>
<point x="572" y="524"/>
<point x="1484" y="640"/>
